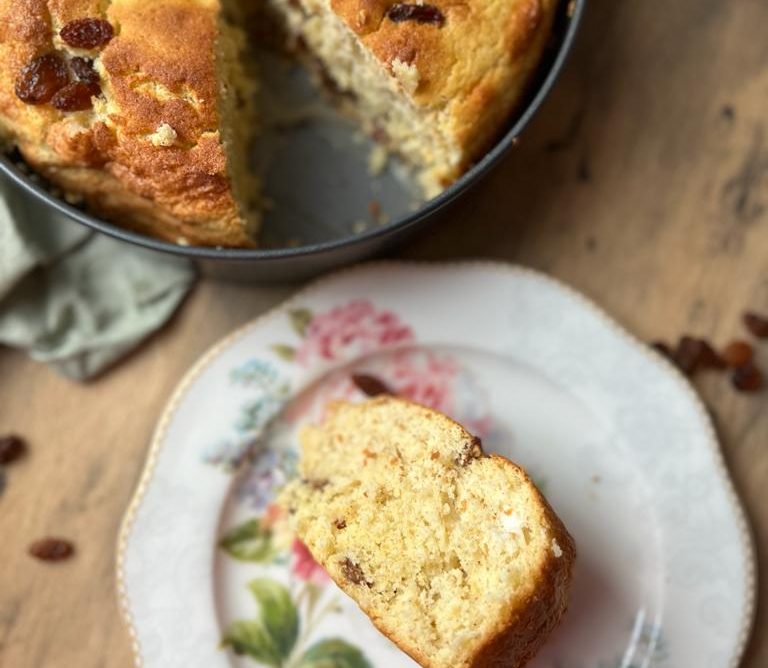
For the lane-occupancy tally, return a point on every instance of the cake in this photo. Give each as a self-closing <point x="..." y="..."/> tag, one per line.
<point x="453" y="554"/>
<point x="143" y="109"/>
<point x="153" y="145"/>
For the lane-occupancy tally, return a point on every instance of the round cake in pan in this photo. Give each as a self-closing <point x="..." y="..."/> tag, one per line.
<point x="142" y="107"/>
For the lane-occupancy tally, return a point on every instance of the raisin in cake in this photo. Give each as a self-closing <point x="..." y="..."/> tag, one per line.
<point x="453" y="554"/>
<point x="142" y="107"/>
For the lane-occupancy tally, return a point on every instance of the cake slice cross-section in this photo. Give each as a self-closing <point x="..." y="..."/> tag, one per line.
<point x="454" y="555"/>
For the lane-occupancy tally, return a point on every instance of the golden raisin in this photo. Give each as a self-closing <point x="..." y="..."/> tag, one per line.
<point x="710" y="358"/>
<point x="402" y="11"/>
<point x="471" y="451"/>
<point x="318" y="484"/>
<point x="83" y="69"/>
<point x="354" y="573"/>
<point x="87" y="33"/>
<point x="693" y="354"/>
<point x="52" y="549"/>
<point x="75" y="97"/>
<point x="756" y="324"/>
<point x="738" y="353"/>
<point x="12" y="447"/>
<point x="748" y="378"/>
<point x="41" y="78"/>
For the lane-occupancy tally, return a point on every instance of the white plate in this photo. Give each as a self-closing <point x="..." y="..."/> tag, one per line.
<point x="615" y="437"/>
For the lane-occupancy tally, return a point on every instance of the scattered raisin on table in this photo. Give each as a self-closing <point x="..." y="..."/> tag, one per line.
<point x="686" y="355"/>
<point x="87" y="33"/>
<point x="41" y="78"/>
<point x="84" y="71"/>
<point x="75" y="97"/>
<point x="12" y="447"/>
<point x="662" y="348"/>
<point x="693" y="354"/>
<point x="52" y="549"/>
<point x="370" y="385"/>
<point x="402" y="11"/>
<point x="738" y="353"/>
<point x="710" y="358"/>
<point x="757" y="324"/>
<point x="748" y="378"/>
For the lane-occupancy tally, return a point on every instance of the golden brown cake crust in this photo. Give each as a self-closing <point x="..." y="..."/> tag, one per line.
<point x="157" y="73"/>
<point x="474" y="68"/>
<point x="517" y="638"/>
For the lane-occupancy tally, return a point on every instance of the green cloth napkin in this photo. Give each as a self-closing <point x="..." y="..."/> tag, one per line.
<point x="74" y="298"/>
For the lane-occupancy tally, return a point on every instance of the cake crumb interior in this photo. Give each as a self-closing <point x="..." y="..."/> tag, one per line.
<point x="378" y="96"/>
<point x="432" y="536"/>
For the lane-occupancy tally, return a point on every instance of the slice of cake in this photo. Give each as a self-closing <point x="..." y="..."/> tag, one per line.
<point x="453" y="554"/>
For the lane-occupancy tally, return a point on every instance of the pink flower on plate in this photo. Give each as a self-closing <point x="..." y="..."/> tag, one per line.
<point x="425" y="378"/>
<point x="347" y="331"/>
<point x="273" y="515"/>
<point x="436" y="380"/>
<point x="304" y="565"/>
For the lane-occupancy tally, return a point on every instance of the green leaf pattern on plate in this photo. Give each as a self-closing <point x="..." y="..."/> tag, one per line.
<point x="288" y="353"/>
<point x="249" y="541"/>
<point x="300" y="320"/>
<point x="252" y="639"/>
<point x="333" y="653"/>
<point x="273" y="637"/>
<point x="277" y="612"/>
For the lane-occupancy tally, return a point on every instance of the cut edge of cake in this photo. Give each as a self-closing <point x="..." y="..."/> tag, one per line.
<point x="435" y="92"/>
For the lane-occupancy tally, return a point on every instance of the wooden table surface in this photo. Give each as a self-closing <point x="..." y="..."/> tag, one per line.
<point x="643" y="183"/>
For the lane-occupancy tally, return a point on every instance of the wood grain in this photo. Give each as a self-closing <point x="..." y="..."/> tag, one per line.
<point x="643" y="183"/>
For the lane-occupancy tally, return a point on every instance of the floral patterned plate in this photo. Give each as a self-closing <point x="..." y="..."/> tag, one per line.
<point x="210" y="576"/>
